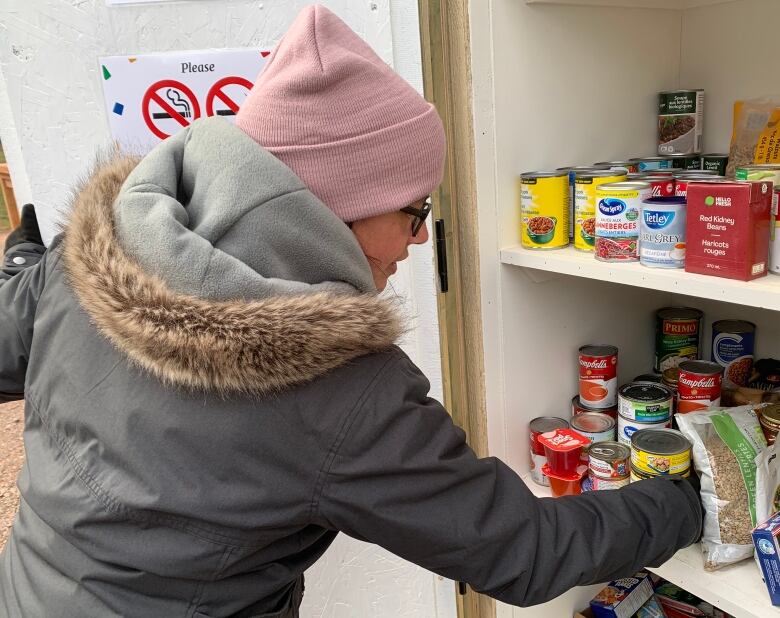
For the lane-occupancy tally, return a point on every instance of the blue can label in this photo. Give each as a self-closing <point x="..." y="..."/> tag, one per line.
<point x="734" y="351"/>
<point x="662" y="236"/>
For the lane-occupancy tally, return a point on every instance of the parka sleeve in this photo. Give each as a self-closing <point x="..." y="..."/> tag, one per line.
<point x="403" y="477"/>
<point x="18" y="304"/>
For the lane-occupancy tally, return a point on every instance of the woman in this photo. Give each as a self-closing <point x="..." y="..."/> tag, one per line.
<point x="212" y="390"/>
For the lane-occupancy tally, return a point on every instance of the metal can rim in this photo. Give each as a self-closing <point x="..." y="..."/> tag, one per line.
<point x="623" y="185"/>
<point x="700" y="367"/>
<point x="593" y="417"/>
<point x="678" y="443"/>
<point x="619" y="451"/>
<point x="609" y="349"/>
<point x="664" y="392"/>
<point x="734" y="326"/>
<point x="539" y="419"/>
<point x="550" y="174"/>
<point x="690" y="313"/>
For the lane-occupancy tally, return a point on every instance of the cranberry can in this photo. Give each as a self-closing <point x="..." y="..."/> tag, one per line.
<point x="537" y="427"/>
<point x="699" y="386"/>
<point x="598" y="376"/>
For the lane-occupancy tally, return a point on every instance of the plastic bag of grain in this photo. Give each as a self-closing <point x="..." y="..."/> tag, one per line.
<point x="725" y="446"/>
<point x="755" y="136"/>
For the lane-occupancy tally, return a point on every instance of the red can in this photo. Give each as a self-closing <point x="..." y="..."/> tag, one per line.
<point x="660" y="185"/>
<point x="598" y="376"/>
<point x="538" y="426"/>
<point x="681" y="182"/>
<point x="577" y="407"/>
<point x="699" y="386"/>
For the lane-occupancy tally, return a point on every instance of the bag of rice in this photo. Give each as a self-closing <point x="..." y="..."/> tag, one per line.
<point x="725" y="446"/>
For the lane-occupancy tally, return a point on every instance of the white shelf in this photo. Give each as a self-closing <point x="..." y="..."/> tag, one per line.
<point x="761" y="293"/>
<point x="738" y="589"/>
<point x="645" y="4"/>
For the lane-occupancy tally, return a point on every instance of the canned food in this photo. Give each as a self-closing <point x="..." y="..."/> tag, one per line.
<point x="617" y="220"/>
<point x="609" y="460"/>
<point x="769" y="417"/>
<point x="699" y="386"/>
<point x="707" y="173"/>
<point x="629" y="166"/>
<point x="677" y="336"/>
<point x="715" y="161"/>
<point x="647" y="164"/>
<point x="655" y="378"/>
<point x="662" y="232"/>
<point x="544" y="210"/>
<point x="645" y="402"/>
<point x="680" y="121"/>
<point x="601" y="484"/>
<point x="595" y="426"/>
<point x="639" y="475"/>
<point x="538" y="426"/>
<point x="670" y="379"/>
<point x="686" y="161"/>
<point x="628" y="427"/>
<point x="681" y="182"/>
<point x="585" y="184"/>
<point x="598" y="376"/>
<point x="660" y="185"/>
<point x="577" y="407"/>
<point x="660" y="452"/>
<point x="733" y="343"/>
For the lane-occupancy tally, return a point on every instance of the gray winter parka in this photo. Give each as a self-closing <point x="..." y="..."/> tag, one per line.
<point x="212" y="394"/>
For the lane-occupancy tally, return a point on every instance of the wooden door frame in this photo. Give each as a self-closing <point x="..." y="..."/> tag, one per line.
<point x="446" y="60"/>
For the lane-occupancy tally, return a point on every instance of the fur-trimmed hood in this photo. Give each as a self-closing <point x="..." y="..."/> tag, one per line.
<point x="229" y="346"/>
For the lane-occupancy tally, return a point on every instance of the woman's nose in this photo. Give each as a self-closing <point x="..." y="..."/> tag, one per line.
<point x="422" y="236"/>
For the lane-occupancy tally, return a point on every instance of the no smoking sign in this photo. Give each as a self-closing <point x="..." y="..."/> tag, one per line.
<point x="151" y="97"/>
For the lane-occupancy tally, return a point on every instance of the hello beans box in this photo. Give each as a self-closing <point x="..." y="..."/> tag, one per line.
<point x="727" y="229"/>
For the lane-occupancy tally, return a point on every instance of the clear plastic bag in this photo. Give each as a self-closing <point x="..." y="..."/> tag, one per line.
<point x="755" y="136"/>
<point x="725" y="446"/>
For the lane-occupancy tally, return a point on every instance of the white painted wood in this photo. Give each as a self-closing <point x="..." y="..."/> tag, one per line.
<point x="558" y="84"/>
<point x="761" y="293"/>
<point x="648" y="4"/>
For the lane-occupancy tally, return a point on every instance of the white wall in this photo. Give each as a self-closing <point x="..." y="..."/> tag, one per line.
<point x="52" y="120"/>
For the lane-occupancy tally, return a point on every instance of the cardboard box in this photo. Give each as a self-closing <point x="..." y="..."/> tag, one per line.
<point x="679" y="603"/>
<point x="623" y="597"/>
<point x="727" y="229"/>
<point x="765" y="539"/>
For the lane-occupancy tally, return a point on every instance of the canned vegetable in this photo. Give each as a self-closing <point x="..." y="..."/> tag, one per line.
<point x="680" y="121"/>
<point x="660" y="451"/>
<point x="733" y="343"/>
<point x="645" y="402"/>
<point x="716" y="162"/>
<point x="544" y="210"/>
<point x="677" y="336"/>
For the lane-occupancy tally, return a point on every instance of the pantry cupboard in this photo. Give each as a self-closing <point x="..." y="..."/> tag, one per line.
<point x="571" y="83"/>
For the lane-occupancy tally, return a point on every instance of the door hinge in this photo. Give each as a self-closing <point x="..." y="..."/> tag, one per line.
<point x="462" y="590"/>
<point x="441" y="255"/>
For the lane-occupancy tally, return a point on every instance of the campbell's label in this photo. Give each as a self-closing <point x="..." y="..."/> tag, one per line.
<point x="598" y="381"/>
<point x="699" y="386"/>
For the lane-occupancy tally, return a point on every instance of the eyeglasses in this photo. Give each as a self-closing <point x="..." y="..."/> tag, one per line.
<point x="420" y="214"/>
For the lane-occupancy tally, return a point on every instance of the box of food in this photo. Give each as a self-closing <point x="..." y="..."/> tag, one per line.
<point x="651" y="609"/>
<point x="679" y="603"/>
<point x="768" y="554"/>
<point x="622" y="598"/>
<point x="727" y="229"/>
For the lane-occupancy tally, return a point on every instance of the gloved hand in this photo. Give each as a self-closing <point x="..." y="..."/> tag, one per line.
<point x="24" y="246"/>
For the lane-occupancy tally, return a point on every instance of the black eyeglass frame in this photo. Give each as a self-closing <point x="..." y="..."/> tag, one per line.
<point x="421" y="214"/>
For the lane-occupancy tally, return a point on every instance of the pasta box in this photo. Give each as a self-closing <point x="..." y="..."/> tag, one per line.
<point x="727" y="229"/>
<point x="768" y="555"/>
<point x="623" y="597"/>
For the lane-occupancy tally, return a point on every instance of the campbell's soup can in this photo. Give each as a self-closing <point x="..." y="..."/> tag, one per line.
<point x="598" y="376"/>
<point x="660" y="186"/>
<point x="537" y="427"/>
<point x="544" y="210"/>
<point x="733" y="344"/>
<point x="681" y="182"/>
<point x="617" y="220"/>
<point x="677" y="336"/>
<point x="585" y="184"/>
<point x="699" y="386"/>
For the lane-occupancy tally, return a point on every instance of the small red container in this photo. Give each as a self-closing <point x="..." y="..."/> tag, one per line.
<point x="563" y="448"/>
<point x="565" y="484"/>
<point x="699" y="386"/>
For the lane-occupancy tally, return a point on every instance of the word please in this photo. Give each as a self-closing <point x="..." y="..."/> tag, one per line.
<point x="188" y="67"/>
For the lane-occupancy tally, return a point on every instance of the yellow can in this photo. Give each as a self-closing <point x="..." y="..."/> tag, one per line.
<point x="544" y="210"/>
<point x="585" y="184"/>
<point x="658" y="452"/>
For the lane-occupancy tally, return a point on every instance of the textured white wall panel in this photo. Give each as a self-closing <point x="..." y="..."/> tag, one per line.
<point x="53" y="120"/>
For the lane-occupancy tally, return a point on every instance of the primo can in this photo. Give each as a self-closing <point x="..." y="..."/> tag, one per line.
<point x="544" y="210"/>
<point x="677" y="336"/>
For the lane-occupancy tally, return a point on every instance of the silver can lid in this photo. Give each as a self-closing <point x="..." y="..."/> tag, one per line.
<point x="660" y="441"/>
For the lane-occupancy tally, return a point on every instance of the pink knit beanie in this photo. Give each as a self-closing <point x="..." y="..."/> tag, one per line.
<point x="358" y="135"/>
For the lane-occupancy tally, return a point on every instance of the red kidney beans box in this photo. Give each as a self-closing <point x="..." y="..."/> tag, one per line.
<point x="622" y="598"/>
<point x="728" y="229"/>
